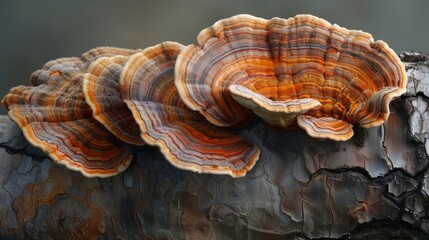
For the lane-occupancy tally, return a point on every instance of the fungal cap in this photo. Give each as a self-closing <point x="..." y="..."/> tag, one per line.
<point x="326" y="127"/>
<point x="186" y="138"/>
<point x="103" y="94"/>
<point x="55" y="117"/>
<point x="331" y="71"/>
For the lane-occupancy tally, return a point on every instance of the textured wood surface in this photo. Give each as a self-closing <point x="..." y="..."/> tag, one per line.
<point x="375" y="184"/>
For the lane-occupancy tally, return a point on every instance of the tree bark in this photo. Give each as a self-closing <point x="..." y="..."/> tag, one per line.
<point x="375" y="184"/>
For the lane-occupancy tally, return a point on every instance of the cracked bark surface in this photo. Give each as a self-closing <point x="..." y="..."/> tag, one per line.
<point x="375" y="184"/>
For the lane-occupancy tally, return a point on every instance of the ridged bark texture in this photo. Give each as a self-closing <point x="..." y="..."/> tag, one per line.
<point x="374" y="185"/>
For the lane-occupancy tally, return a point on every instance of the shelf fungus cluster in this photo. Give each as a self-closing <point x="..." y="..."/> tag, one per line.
<point x="303" y="69"/>
<point x="191" y="101"/>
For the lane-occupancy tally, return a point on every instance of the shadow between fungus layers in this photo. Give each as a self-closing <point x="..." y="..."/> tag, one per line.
<point x="192" y="101"/>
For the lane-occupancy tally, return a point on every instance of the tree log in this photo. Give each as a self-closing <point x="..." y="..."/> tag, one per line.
<point x="375" y="184"/>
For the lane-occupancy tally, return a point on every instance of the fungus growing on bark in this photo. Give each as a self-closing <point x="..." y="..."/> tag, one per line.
<point x="55" y="117"/>
<point x="184" y="136"/>
<point x="303" y="69"/>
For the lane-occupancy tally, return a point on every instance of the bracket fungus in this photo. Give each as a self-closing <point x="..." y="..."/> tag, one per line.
<point x="55" y="117"/>
<point x="302" y="69"/>
<point x="185" y="138"/>
<point x="103" y="93"/>
<point x="84" y="112"/>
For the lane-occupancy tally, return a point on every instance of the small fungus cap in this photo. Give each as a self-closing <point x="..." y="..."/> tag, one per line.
<point x="104" y="95"/>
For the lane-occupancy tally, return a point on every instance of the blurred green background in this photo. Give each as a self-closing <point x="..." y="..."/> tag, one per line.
<point x="34" y="32"/>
